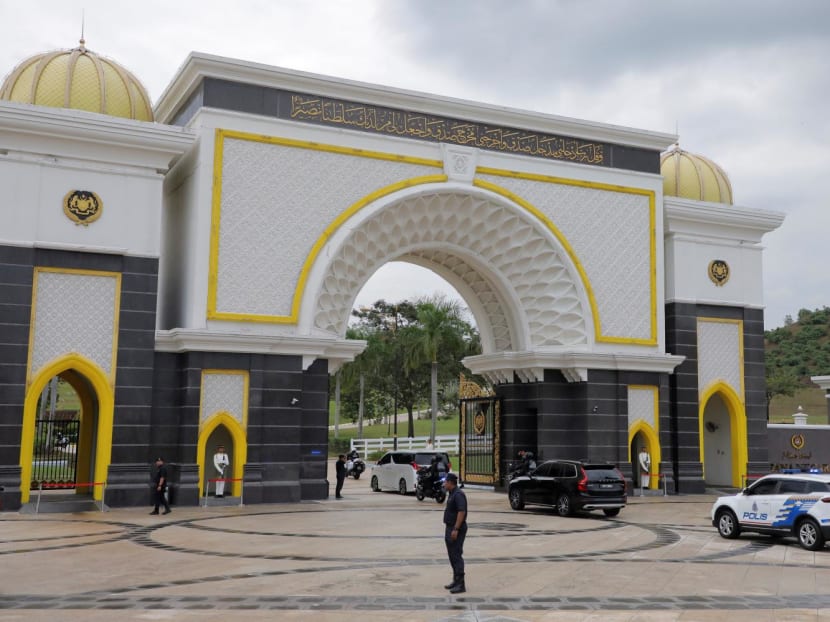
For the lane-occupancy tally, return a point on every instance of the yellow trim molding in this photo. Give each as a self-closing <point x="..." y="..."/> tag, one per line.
<point x="737" y="419"/>
<point x="598" y="334"/>
<point x="216" y="212"/>
<point x="100" y="383"/>
<point x="652" y="434"/>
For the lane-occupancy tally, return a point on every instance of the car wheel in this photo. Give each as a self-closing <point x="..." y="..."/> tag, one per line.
<point x="809" y="535"/>
<point x="612" y="512"/>
<point x="728" y="526"/>
<point x="419" y="493"/>
<point x="402" y="486"/>
<point x="563" y="505"/>
<point x="517" y="499"/>
<point x="356" y="474"/>
<point x="375" y="485"/>
<point x="439" y="498"/>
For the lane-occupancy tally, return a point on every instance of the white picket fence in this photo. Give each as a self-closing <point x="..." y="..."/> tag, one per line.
<point x="366" y="446"/>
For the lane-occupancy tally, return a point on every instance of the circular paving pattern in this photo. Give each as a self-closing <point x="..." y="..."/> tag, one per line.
<point x="353" y="557"/>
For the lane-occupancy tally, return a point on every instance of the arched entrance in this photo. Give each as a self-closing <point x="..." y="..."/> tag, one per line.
<point x="722" y="424"/>
<point x="494" y="252"/>
<point x="222" y="429"/>
<point x="94" y="435"/>
<point x="642" y="436"/>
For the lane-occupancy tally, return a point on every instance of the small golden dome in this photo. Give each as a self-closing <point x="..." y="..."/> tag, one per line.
<point x="79" y="79"/>
<point x="690" y="176"/>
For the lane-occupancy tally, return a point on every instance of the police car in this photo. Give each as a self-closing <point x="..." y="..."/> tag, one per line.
<point x="778" y="505"/>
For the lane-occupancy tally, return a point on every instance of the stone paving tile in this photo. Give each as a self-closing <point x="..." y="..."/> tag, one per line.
<point x="381" y="557"/>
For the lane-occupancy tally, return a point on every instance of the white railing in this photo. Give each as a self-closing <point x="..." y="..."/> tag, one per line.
<point x="366" y="446"/>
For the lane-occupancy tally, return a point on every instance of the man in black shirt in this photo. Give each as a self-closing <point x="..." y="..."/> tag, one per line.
<point x="160" y="481"/>
<point x="455" y="531"/>
<point x="340" y="472"/>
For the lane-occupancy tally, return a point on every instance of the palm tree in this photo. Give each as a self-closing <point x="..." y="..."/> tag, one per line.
<point x="442" y="326"/>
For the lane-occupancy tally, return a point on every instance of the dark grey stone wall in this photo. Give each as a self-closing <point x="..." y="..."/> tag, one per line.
<point x="136" y="338"/>
<point x="276" y="103"/>
<point x="580" y="421"/>
<point x="16" y="275"/>
<point x="681" y="339"/>
<point x="287" y="442"/>
<point x="797" y="447"/>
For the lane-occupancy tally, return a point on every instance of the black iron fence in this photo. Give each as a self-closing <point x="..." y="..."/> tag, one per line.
<point x="55" y="457"/>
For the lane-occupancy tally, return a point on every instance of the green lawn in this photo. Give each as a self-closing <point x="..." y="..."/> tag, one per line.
<point x="423" y="427"/>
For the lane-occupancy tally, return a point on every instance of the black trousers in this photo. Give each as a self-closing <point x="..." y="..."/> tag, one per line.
<point x="339" y="486"/>
<point x="160" y="499"/>
<point x="455" y="548"/>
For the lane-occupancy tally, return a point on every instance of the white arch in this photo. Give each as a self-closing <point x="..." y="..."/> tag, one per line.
<point x="509" y="266"/>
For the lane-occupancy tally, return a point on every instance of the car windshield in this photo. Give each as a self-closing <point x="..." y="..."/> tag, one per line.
<point x="426" y="458"/>
<point x="598" y="472"/>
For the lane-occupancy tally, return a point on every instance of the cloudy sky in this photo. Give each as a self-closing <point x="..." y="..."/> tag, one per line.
<point x="745" y="82"/>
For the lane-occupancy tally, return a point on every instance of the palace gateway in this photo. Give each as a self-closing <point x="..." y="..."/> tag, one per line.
<point x="190" y="270"/>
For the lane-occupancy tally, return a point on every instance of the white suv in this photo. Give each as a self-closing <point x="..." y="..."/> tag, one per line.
<point x="398" y="470"/>
<point x="779" y="504"/>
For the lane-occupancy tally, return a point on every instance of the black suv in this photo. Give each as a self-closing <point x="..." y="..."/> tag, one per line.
<point x="570" y="486"/>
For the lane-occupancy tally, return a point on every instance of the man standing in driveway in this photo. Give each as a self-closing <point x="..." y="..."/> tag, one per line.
<point x="340" y="473"/>
<point x="455" y="531"/>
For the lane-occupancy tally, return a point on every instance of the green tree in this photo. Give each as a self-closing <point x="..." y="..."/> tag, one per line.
<point x="780" y="383"/>
<point x="441" y="322"/>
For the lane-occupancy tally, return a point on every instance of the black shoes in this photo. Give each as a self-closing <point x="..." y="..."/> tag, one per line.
<point x="154" y="512"/>
<point x="457" y="586"/>
<point x="165" y="512"/>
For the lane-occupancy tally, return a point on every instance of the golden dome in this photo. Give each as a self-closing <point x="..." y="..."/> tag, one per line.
<point x="79" y="79"/>
<point x="690" y="176"/>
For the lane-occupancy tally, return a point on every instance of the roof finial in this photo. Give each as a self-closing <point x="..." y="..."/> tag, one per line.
<point x="82" y="41"/>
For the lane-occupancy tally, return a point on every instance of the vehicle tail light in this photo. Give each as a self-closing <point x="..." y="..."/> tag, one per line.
<point x="415" y="466"/>
<point x="582" y="486"/>
<point x="825" y="499"/>
<point x="619" y="474"/>
<point x="449" y="466"/>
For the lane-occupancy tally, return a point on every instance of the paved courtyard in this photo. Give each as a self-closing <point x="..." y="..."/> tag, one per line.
<point x="380" y="556"/>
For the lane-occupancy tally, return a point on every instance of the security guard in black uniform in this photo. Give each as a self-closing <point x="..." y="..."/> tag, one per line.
<point x="455" y="531"/>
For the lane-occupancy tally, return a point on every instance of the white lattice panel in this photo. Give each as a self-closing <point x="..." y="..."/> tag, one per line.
<point x="484" y="291"/>
<point x="514" y="246"/>
<point x="223" y="393"/>
<point x="641" y="404"/>
<point x="276" y="202"/>
<point x="610" y="233"/>
<point x="74" y="313"/>
<point x="719" y="356"/>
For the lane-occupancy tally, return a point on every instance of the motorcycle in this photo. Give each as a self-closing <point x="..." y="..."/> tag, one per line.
<point x="424" y="488"/>
<point x="519" y="468"/>
<point x="355" y="466"/>
<point x="61" y="441"/>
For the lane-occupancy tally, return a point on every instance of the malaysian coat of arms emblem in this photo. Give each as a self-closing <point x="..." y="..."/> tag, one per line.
<point x="82" y="206"/>
<point x="719" y="272"/>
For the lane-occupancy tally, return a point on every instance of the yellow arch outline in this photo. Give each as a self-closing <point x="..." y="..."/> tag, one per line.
<point x="652" y="434"/>
<point x="598" y="336"/>
<point x="216" y="211"/>
<point x="99" y="380"/>
<point x="240" y="448"/>
<point x="737" y="418"/>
